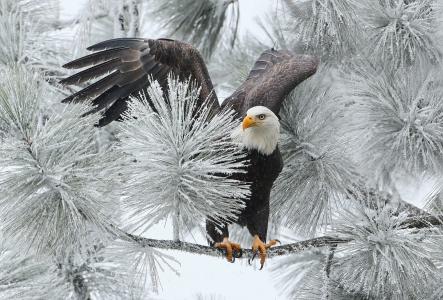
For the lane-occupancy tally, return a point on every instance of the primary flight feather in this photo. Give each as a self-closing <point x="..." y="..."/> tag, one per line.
<point x="126" y="64"/>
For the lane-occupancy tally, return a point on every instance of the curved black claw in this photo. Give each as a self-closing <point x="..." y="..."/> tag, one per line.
<point x="237" y="254"/>
<point x="278" y="241"/>
<point x="252" y="258"/>
<point x="261" y="267"/>
<point x="222" y="251"/>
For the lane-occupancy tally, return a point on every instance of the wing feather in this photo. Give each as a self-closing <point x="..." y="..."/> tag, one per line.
<point x="133" y="43"/>
<point x="114" y="112"/>
<point x="95" y="89"/>
<point x="274" y="75"/>
<point x="93" y="72"/>
<point x="96" y="58"/>
<point x="127" y="64"/>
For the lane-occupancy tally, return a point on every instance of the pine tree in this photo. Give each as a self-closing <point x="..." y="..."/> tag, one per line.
<point x="76" y="201"/>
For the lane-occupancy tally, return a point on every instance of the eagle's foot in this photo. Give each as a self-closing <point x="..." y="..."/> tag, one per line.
<point x="258" y="247"/>
<point x="233" y="250"/>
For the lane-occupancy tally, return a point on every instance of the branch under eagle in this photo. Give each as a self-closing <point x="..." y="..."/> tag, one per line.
<point x="287" y="249"/>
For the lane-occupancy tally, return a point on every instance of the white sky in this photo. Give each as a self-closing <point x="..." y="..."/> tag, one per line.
<point x="200" y="274"/>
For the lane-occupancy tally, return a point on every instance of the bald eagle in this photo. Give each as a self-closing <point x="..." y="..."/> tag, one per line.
<point x="128" y="63"/>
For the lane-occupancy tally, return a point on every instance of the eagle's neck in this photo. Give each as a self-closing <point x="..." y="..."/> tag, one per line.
<point x="264" y="140"/>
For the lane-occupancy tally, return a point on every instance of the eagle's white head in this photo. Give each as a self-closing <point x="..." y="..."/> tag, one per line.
<point x="260" y="130"/>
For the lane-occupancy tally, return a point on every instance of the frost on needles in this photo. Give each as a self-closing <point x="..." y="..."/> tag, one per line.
<point x="62" y="198"/>
<point x="180" y="160"/>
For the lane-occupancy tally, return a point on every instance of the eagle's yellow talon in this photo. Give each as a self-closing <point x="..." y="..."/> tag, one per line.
<point x="272" y="243"/>
<point x="231" y="248"/>
<point x="259" y="247"/>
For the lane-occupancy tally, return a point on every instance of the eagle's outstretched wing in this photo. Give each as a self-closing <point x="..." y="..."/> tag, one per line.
<point x="274" y="75"/>
<point x="125" y="65"/>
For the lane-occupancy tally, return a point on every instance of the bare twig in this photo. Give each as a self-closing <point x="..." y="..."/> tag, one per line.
<point x="330" y="257"/>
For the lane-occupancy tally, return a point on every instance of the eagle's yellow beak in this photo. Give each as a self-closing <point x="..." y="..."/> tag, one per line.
<point x="248" y="121"/>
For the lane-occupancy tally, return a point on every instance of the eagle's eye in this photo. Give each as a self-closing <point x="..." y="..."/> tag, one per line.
<point x="261" y="117"/>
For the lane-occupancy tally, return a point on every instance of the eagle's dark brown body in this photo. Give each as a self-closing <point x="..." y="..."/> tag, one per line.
<point x="128" y="63"/>
<point x="261" y="173"/>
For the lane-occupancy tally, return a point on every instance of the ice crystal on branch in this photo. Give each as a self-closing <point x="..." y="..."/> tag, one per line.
<point x="183" y="159"/>
<point x="398" y="117"/>
<point x="315" y="285"/>
<point x="292" y="270"/>
<point x="51" y="178"/>
<point x="328" y="27"/>
<point x="402" y="31"/>
<point x="46" y="12"/>
<point x="24" y="35"/>
<point x="25" y="277"/>
<point x="120" y="270"/>
<point x="317" y="171"/>
<point x="20" y="92"/>
<point x="435" y="291"/>
<point x="384" y="258"/>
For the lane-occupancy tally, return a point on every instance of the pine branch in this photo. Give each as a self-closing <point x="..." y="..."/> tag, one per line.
<point x="211" y="251"/>
<point x="372" y="198"/>
<point x="420" y="222"/>
<point x="287" y="249"/>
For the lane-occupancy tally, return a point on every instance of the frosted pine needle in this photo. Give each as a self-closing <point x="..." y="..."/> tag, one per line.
<point x="384" y="258"/>
<point x="25" y="36"/>
<point x="51" y="178"/>
<point x="398" y="117"/>
<point x="328" y="27"/>
<point x="200" y="22"/>
<point x="181" y="162"/>
<point x="26" y="277"/>
<point x="402" y="31"/>
<point x="125" y="270"/>
<point x="291" y="272"/>
<point x="317" y="170"/>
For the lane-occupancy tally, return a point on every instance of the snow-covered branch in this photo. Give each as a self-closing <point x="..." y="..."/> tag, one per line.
<point x="287" y="249"/>
<point x="211" y="251"/>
